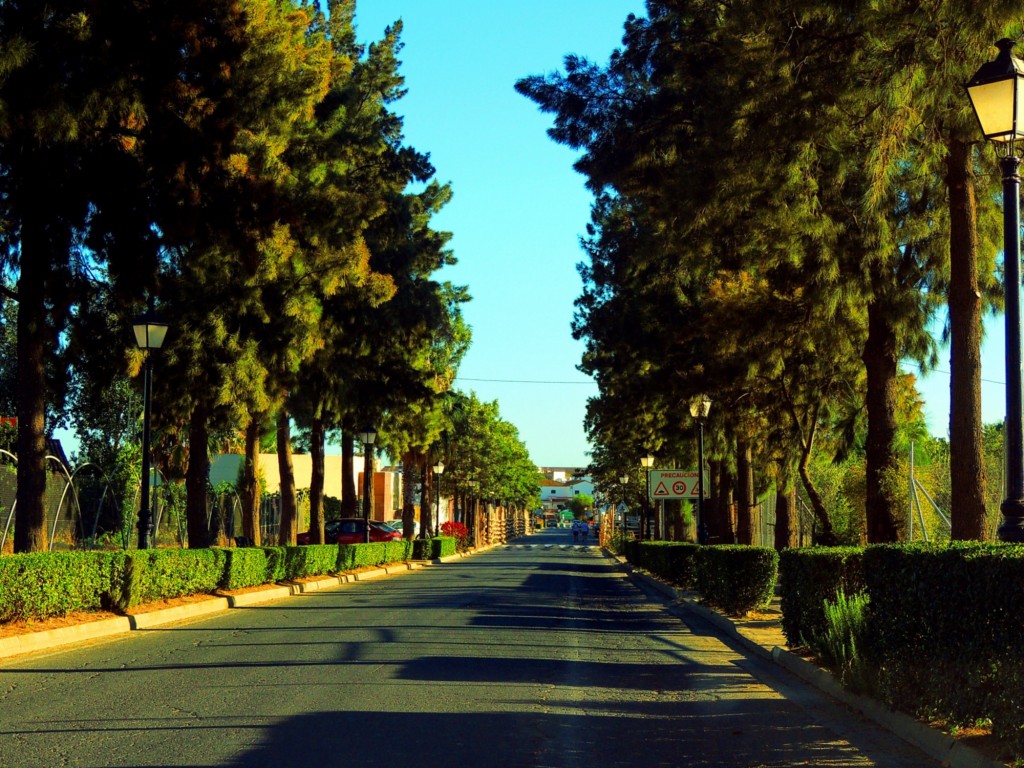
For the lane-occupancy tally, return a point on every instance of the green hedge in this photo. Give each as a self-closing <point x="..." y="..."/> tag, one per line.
<point x="310" y="560"/>
<point x="45" y="584"/>
<point x="435" y="548"/>
<point x="945" y="631"/>
<point x="674" y="561"/>
<point x="809" y="577"/>
<point x="246" y="567"/>
<point x="736" y="578"/>
<point x="158" y="574"/>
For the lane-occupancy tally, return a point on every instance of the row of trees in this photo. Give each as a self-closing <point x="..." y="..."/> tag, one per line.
<point x="788" y="195"/>
<point x="238" y="165"/>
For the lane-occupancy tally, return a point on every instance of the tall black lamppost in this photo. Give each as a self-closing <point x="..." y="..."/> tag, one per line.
<point x="647" y="461"/>
<point x="150" y="332"/>
<point x="700" y="407"/>
<point x="438" y="471"/>
<point x="997" y="95"/>
<point x="624" y="479"/>
<point x="367" y="437"/>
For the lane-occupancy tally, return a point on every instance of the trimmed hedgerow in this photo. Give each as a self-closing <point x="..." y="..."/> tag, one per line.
<point x="674" y="561"/>
<point x="810" y="577"/>
<point x="944" y="630"/>
<point x="435" y="548"/>
<point x="246" y="567"/>
<point x="276" y="564"/>
<point x="310" y="560"/>
<point x="44" y="584"/>
<point x="737" y="579"/>
<point x="157" y="574"/>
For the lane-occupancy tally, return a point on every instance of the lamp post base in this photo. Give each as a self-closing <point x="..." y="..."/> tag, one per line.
<point x="145" y="527"/>
<point x="1012" y="528"/>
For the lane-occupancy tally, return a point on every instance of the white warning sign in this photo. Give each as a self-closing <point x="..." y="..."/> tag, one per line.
<point x="673" y="484"/>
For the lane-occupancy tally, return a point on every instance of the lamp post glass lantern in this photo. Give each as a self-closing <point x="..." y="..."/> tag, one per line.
<point x="150" y="332"/>
<point x="647" y="461"/>
<point x="438" y="471"/>
<point x="700" y="407"/>
<point x="367" y="436"/>
<point x="997" y="95"/>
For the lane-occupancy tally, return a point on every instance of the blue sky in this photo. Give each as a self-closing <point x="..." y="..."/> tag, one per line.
<point x="519" y="207"/>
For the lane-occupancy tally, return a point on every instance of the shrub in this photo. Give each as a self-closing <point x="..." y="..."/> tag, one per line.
<point x="671" y="560"/>
<point x="810" y="577"/>
<point x="276" y="564"/>
<point x="310" y="560"/>
<point x="737" y="579"/>
<point x="246" y="567"/>
<point x="457" y="531"/>
<point x="157" y="574"/>
<point x="839" y="644"/>
<point x="44" y="584"/>
<point x="434" y="549"/>
<point x="944" y="631"/>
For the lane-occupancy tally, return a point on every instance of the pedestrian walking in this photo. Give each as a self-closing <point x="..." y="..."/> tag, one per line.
<point x="575" y="531"/>
<point x="584" y="531"/>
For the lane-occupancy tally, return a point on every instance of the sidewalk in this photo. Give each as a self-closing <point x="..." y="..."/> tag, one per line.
<point x="762" y="635"/>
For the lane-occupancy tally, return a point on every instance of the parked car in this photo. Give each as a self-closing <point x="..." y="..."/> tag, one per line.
<point x="397" y="525"/>
<point x="386" y="530"/>
<point x="352" y="530"/>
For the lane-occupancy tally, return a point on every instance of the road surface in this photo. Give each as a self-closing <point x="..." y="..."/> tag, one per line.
<point x="535" y="654"/>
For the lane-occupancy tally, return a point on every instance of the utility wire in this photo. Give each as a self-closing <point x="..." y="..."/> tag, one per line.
<point x="524" y="381"/>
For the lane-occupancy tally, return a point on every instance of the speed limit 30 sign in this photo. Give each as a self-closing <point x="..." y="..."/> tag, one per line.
<point x="673" y="484"/>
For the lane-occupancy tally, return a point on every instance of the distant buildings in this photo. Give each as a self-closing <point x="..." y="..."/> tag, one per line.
<point x="559" y="485"/>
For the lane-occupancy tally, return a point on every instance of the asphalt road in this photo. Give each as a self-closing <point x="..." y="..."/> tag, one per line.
<point x="531" y="655"/>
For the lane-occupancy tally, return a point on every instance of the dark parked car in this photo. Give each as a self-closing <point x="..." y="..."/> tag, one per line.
<point x="352" y="530"/>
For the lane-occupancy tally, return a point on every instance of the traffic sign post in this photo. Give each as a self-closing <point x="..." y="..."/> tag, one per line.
<point x="674" y="484"/>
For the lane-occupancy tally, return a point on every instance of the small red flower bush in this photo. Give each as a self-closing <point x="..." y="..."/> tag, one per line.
<point x="457" y="531"/>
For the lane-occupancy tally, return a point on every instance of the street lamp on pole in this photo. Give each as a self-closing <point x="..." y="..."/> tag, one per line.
<point x="647" y="462"/>
<point x="438" y="471"/>
<point x="367" y="437"/>
<point x="997" y="94"/>
<point x="700" y="407"/>
<point x="150" y="332"/>
<point x="623" y="479"/>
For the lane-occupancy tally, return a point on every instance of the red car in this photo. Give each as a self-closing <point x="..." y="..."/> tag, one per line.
<point x="351" y="530"/>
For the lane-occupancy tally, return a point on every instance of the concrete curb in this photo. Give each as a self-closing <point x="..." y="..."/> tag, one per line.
<point x="54" y="638"/>
<point x="177" y="613"/>
<point x="935" y="744"/>
<point x="30" y="642"/>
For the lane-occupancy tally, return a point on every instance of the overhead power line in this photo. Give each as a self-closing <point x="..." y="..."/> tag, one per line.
<point x="523" y="381"/>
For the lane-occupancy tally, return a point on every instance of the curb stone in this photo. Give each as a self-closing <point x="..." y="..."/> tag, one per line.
<point x="30" y="642"/>
<point x="935" y="744"/>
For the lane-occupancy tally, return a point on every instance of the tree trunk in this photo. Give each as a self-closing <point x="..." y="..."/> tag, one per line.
<point x="410" y="471"/>
<point x="966" y="450"/>
<point x="744" y="493"/>
<point x="430" y="488"/>
<point x="317" y="440"/>
<point x="197" y="478"/>
<point x="723" y="512"/>
<point x="824" y="533"/>
<point x="349" y="497"/>
<point x="289" y="502"/>
<point x="882" y="464"/>
<point x="30" y="515"/>
<point x="251" y="482"/>
<point x="785" y="513"/>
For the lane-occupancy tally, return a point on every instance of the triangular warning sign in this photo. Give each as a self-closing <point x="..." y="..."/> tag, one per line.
<point x="661" y="490"/>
